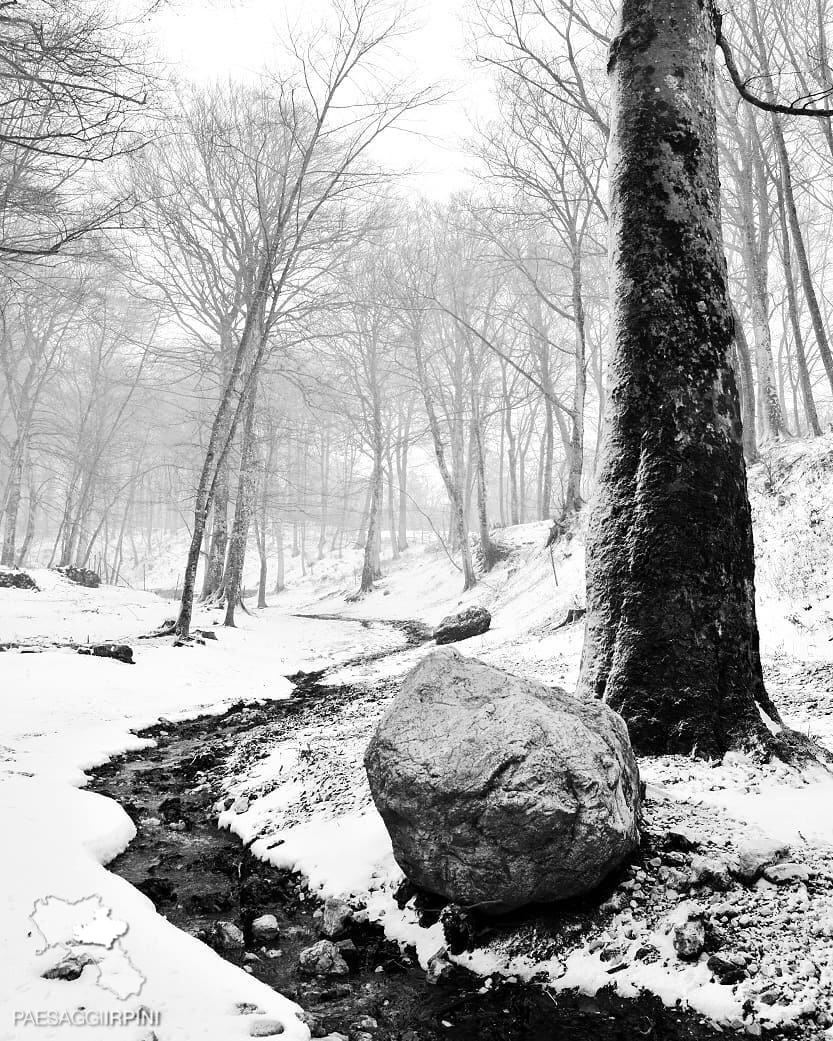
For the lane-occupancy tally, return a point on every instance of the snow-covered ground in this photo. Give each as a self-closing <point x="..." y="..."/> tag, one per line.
<point x="64" y="713"/>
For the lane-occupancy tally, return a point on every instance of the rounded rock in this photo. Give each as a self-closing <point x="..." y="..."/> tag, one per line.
<point x="498" y="791"/>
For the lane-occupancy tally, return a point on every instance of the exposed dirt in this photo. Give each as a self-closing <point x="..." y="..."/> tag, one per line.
<point x="198" y="876"/>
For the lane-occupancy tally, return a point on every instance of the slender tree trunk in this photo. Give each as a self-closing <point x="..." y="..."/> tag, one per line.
<point x="547" y="457"/>
<point x="512" y="452"/>
<point x="364" y="519"/>
<point x="454" y="492"/>
<point x="402" y="475"/>
<point x="12" y="509"/>
<point x="325" y="478"/>
<point x="747" y="390"/>
<point x="246" y="492"/>
<point x="572" y="498"/>
<point x="479" y="462"/>
<point x="370" y="565"/>
<point x="792" y="306"/>
<point x="671" y="639"/>
<point x="29" y="533"/>
<point x="801" y="252"/>
<point x="216" y="560"/>
<point x="392" y="525"/>
<point x="769" y="406"/>
<point x="280" y="571"/>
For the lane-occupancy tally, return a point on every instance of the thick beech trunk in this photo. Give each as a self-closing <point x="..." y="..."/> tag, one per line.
<point x="672" y="640"/>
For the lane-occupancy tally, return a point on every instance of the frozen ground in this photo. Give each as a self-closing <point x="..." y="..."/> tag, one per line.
<point x="64" y="713"/>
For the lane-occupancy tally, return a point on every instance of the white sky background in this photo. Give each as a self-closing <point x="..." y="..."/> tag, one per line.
<point x="235" y="38"/>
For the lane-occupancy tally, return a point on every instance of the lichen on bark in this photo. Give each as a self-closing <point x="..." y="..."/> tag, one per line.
<point x="672" y="638"/>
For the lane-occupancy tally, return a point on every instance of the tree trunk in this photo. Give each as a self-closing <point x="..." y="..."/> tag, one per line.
<point x="29" y="533"/>
<point x="755" y="259"/>
<point x="370" y="566"/>
<point x="12" y="509"/>
<point x="246" y="491"/>
<point x="280" y="582"/>
<point x="747" y="391"/>
<point x="402" y="475"/>
<point x="671" y="639"/>
<point x="216" y="561"/>
<point x="455" y="495"/>
<point x="325" y="493"/>
<point x="479" y="461"/>
<point x="792" y="306"/>
<point x="392" y="525"/>
<point x="572" y="497"/>
<point x="801" y="252"/>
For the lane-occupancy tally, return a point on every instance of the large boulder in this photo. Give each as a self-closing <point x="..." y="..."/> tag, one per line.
<point x="498" y="791"/>
<point x="455" y="627"/>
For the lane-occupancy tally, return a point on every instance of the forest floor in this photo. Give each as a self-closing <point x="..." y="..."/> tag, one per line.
<point x="284" y="778"/>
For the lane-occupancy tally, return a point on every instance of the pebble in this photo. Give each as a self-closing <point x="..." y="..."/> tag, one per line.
<point x="439" y="967"/>
<point x="265" y="927"/>
<point x="228" y="935"/>
<point x="689" y="940"/>
<point x="783" y="874"/>
<point x="322" y="959"/>
<point x="335" y="918"/>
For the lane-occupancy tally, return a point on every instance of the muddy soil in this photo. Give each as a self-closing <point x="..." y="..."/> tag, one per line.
<point x="198" y="876"/>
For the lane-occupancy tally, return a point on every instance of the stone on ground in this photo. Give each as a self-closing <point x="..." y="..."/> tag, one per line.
<point x="120" y="651"/>
<point x="336" y="917"/>
<point x="322" y="959"/>
<point x="498" y="791"/>
<point x="265" y="928"/>
<point x="455" y="627"/>
<point x="265" y="1028"/>
<point x="690" y="939"/>
<point x="756" y="851"/>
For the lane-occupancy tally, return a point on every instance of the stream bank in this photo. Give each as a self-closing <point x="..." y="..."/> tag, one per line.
<point x="199" y="876"/>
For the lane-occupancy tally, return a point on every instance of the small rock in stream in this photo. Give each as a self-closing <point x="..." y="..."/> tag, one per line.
<point x="439" y="967"/>
<point x="725" y="969"/>
<point x="336" y="917"/>
<point x="265" y="928"/>
<point x="322" y="959"/>
<point x="227" y="935"/>
<point x="689" y="940"/>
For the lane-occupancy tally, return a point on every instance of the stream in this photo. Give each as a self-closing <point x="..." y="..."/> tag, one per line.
<point x="198" y="875"/>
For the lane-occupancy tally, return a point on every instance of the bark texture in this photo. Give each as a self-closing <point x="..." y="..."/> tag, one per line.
<point x="672" y="639"/>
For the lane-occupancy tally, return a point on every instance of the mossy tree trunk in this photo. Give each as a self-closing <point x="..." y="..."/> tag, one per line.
<point x="672" y="639"/>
